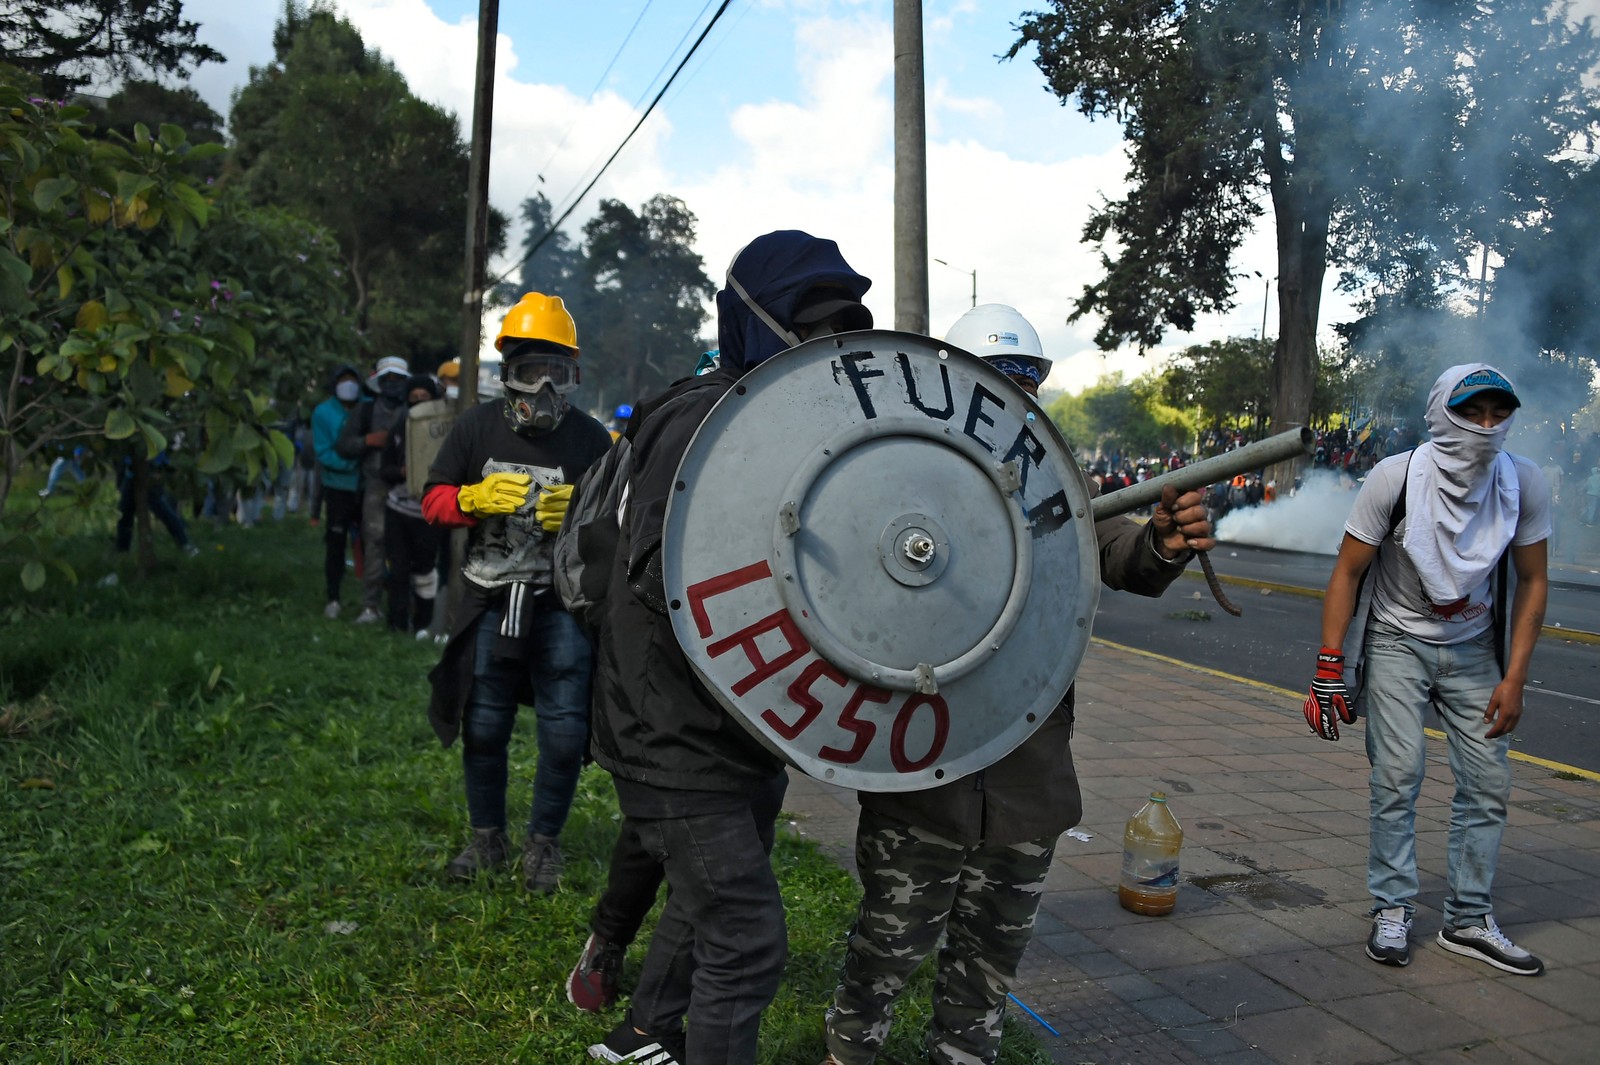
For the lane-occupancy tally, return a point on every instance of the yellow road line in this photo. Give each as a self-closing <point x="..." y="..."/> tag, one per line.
<point x="1551" y="631"/>
<point x="1299" y="697"/>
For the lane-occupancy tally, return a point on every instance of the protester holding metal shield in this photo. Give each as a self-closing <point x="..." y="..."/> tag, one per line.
<point x="505" y="473"/>
<point x="967" y="859"/>
<point x="700" y="791"/>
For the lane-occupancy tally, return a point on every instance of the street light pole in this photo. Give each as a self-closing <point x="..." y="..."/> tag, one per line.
<point x="974" y="274"/>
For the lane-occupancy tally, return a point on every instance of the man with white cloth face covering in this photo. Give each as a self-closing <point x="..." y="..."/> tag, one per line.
<point x="1437" y="521"/>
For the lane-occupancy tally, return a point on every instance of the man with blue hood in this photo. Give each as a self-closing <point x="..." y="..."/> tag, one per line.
<point x="701" y="792"/>
<point x="1442" y="527"/>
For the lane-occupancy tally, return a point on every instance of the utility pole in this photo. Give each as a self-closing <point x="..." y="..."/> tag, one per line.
<point x="478" y="201"/>
<point x="477" y="254"/>
<point x="910" y="173"/>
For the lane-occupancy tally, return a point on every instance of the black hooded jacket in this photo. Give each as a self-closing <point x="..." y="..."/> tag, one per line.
<point x="654" y="723"/>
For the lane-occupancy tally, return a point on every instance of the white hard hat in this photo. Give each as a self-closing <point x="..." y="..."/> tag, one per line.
<point x="996" y="331"/>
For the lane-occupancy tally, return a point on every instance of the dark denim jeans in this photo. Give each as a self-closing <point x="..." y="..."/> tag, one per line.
<point x="161" y="508"/>
<point x="632" y="881"/>
<point x="719" y="950"/>
<point x="558" y="667"/>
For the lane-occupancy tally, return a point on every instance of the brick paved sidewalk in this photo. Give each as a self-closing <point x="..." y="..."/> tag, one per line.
<point x="1262" y="960"/>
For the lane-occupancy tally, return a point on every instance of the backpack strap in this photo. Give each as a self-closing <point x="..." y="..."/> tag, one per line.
<point x="1397" y="514"/>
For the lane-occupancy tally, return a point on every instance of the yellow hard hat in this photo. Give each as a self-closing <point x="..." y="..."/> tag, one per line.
<point x="449" y="369"/>
<point x="539" y="317"/>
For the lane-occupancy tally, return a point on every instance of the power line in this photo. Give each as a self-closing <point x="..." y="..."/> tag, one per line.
<point x="562" y="143"/>
<point x="556" y="225"/>
<point x="654" y="78"/>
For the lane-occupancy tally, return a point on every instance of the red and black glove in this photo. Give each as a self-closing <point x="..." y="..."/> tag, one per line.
<point x="1329" y="701"/>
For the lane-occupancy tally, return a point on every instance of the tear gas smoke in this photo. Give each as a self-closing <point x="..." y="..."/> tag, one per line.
<point x="1310" y="520"/>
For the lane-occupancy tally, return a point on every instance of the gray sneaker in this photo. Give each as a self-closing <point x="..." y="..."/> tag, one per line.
<point x="1390" y="941"/>
<point x="331" y="611"/>
<point x="488" y="849"/>
<point x="541" y="864"/>
<point x="1487" y="943"/>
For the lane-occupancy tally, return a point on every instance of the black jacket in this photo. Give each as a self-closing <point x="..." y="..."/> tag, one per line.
<point x="653" y="721"/>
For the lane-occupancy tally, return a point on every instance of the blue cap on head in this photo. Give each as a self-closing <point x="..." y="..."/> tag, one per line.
<point x="776" y="272"/>
<point x="1482" y="379"/>
<point x="623" y="412"/>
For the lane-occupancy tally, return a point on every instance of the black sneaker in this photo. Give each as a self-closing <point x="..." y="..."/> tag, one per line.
<point x="488" y="849"/>
<point x="1487" y="943"/>
<point x="1390" y="943"/>
<point x="592" y="985"/>
<point x="541" y="864"/>
<point x="626" y="1045"/>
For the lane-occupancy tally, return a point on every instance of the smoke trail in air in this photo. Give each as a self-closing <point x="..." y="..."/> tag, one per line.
<point x="1310" y="520"/>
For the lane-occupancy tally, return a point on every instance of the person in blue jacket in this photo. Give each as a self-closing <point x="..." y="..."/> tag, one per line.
<point x="341" y="477"/>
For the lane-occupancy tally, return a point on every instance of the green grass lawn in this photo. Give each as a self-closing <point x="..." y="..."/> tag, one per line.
<point x="225" y="821"/>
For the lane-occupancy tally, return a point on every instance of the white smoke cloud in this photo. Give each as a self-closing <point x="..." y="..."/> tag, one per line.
<point x="1310" y="520"/>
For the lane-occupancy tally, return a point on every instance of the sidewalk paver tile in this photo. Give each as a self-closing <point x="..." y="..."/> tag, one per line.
<point x="1226" y="990"/>
<point x="1306" y="1035"/>
<point x="1316" y="975"/>
<point x="1410" y="1024"/>
<point x="1575" y="992"/>
<point x="1496" y="1004"/>
<point x="1575" y="1044"/>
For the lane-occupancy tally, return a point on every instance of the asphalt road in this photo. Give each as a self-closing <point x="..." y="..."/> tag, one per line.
<point x="1276" y="642"/>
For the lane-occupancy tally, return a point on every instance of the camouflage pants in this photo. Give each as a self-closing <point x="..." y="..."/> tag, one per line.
<point x="916" y="886"/>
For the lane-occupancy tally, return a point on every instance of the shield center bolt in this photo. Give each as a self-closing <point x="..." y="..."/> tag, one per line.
<point x="919" y="548"/>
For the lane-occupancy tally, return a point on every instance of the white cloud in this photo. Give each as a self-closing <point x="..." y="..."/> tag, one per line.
<point x="531" y="120"/>
<point x="813" y="153"/>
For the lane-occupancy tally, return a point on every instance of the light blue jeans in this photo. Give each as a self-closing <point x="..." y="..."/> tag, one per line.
<point x="1405" y="677"/>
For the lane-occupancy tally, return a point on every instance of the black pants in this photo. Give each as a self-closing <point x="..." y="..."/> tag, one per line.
<point x="631" y="885"/>
<point x="719" y="950"/>
<point x="412" y="582"/>
<point x="160" y="506"/>
<point x="344" y="514"/>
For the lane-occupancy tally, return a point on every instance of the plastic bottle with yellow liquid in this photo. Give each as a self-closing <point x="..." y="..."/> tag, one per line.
<point x="1150" y="847"/>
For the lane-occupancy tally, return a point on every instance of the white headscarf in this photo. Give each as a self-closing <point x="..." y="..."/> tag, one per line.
<point x="1462" y="496"/>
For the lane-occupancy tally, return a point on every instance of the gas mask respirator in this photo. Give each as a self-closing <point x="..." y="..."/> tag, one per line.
<point x="537" y="387"/>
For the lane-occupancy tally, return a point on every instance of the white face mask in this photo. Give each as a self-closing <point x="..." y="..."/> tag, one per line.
<point x="349" y="391"/>
<point x="451" y="392"/>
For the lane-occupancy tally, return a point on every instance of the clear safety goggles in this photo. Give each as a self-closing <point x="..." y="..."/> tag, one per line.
<point x="530" y="373"/>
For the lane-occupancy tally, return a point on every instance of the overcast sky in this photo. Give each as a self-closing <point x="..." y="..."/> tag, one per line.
<point x="783" y="119"/>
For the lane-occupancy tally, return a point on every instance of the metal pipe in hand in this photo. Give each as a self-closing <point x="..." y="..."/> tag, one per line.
<point x="1279" y="448"/>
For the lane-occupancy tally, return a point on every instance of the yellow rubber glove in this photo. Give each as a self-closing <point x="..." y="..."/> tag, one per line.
<point x="552" y="505"/>
<point x="498" y="493"/>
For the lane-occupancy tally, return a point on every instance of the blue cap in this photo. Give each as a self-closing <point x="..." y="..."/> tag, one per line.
<point x="1487" y="379"/>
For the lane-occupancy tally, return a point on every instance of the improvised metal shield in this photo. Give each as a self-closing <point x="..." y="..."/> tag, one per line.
<point x="878" y="556"/>
<point x="427" y="424"/>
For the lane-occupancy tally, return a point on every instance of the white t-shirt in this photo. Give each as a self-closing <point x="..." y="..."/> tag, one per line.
<point x="1397" y="596"/>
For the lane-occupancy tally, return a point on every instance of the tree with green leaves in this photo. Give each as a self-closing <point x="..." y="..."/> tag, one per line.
<point x="68" y="44"/>
<point x="1229" y="383"/>
<point x="1115" y="415"/>
<point x="156" y="105"/>
<point x="555" y="269"/>
<point x="1544" y="292"/>
<point x="643" y="303"/>
<point x="1391" y="140"/>
<point x="331" y="131"/>
<point x="119" y="329"/>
